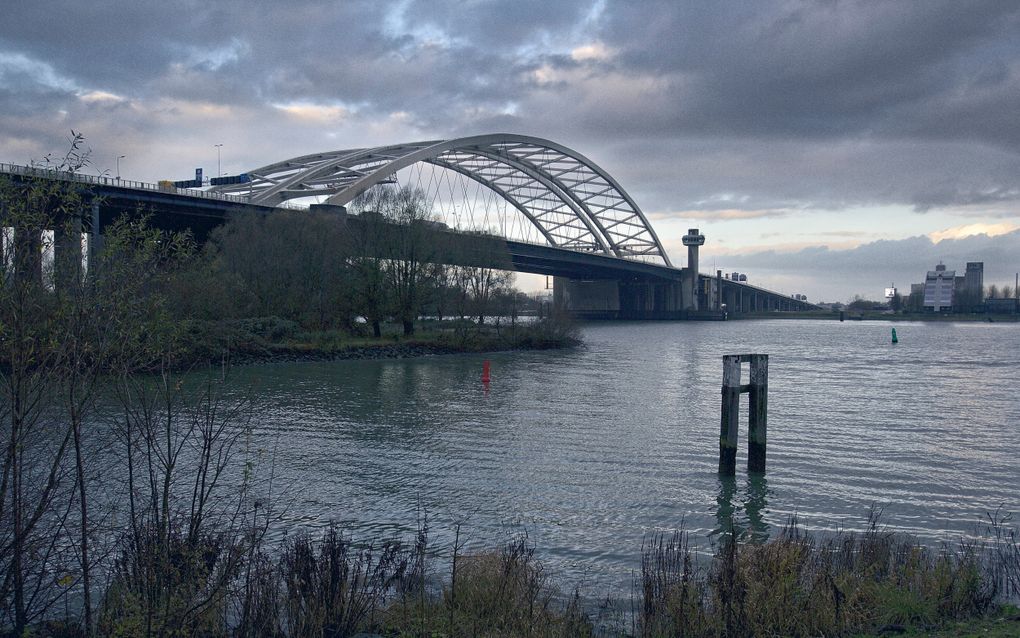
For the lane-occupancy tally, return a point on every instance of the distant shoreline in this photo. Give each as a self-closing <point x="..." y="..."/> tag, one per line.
<point x="878" y="316"/>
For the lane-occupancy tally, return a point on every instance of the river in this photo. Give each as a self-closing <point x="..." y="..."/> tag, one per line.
<point x="590" y="450"/>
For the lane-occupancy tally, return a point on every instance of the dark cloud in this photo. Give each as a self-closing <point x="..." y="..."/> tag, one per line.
<point x="506" y="26"/>
<point x="934" y="70"/>
<point x="824" y="69"/>
<point x="766" y="109"/>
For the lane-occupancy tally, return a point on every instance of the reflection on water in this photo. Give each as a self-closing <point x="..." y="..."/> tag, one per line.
<point x="725" y="507"/>
<point x="756" y="506"/>
<point x="742" y="516"/>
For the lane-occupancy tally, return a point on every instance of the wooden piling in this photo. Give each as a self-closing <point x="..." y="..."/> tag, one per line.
<point x="730" y="415"/>
<point x="758" y="390"/>
<point x="757" y="421"/>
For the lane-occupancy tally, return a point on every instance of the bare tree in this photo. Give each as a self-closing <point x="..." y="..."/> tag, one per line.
<point x="367" y="246"/>
<point x="59" y="334"/>
<point x="293" y="263"/>
<point x="41" y="358"/>
<point x="186" y="543"/>
<point x="484" y="285"/>
<point x="413" y="251"/>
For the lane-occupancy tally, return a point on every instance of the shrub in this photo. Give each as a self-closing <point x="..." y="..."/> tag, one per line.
<point x="166" y="582"/>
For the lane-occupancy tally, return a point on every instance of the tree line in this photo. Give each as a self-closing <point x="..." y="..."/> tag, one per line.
<point x="386" y="261"/>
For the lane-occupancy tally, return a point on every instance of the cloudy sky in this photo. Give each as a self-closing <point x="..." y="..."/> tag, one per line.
<point x="825" y="147"/>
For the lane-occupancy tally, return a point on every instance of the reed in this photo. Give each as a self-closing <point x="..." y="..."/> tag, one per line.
<point x="800" y="585"/>
<point x="167" y="582"/>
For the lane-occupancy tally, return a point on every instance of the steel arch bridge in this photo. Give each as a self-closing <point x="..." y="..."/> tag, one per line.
<point x="571" y="201"/>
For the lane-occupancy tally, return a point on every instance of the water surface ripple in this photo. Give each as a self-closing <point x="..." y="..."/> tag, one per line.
<point x="591" y="450"/>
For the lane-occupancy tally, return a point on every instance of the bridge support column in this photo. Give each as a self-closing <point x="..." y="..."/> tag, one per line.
<point x="28" y="255"/>
<point x="3" y="240"/>
<point x="95" y="235"/>
<point x="651" y="299"/>
<point x="588" y="299"/>
<point x="613" y="299"/>
<point x="67" y="266"/>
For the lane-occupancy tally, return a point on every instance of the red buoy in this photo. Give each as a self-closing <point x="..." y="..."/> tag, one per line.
<point x="485" y="372"/>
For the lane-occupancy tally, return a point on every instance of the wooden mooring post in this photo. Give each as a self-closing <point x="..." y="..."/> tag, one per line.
<point x="758" y="391"/>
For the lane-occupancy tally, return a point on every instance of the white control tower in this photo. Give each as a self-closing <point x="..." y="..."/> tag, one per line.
<point x="693" y="240"/>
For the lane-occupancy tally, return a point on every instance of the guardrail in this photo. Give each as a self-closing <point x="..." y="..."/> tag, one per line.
<point x="98" y="180"/>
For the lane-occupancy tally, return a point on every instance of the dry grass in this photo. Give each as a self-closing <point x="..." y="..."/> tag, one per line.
<point x="497" y="593"/>
<point x="797" y="585"/>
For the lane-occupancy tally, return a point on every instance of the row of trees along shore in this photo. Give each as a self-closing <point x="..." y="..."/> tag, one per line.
<point x="133" y="502"/>
<point x="386" y="260"/>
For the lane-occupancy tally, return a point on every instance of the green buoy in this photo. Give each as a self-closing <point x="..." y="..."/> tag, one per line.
<point x="894" y="339"/>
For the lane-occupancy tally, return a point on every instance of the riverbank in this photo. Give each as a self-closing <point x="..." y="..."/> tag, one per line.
<point x="272" y="340"/>
<point x="864" y="585"/>
<point x="1004" y="622"/>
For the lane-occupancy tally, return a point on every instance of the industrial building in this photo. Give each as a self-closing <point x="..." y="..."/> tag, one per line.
<point x="939" y="289"/>
<point x="944" y="291"/>
<point x="974" y="277"/>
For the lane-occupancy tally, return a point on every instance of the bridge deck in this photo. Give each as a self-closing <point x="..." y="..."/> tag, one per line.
<point x="199" y="212"/>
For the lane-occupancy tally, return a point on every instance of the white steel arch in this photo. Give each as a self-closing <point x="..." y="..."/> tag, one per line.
<point x="572" y="201"/>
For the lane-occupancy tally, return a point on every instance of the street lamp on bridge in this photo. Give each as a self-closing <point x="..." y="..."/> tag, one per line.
<point x="119" y="158"/>
<point x="219" y="173"/>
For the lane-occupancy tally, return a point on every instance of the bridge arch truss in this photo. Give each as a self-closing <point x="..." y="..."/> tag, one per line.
<point x="572" y="202"/>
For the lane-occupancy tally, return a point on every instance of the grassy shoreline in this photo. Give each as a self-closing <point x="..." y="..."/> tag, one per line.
<point x="1003" y="622"/>
<point x="872" y="583"/>
<point x="272" y="340"/>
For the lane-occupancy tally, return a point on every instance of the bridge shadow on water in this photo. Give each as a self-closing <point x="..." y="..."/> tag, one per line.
<point x="741" y="514"/>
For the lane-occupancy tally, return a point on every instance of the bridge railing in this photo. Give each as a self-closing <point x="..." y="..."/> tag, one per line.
<point x="100" y="180"/>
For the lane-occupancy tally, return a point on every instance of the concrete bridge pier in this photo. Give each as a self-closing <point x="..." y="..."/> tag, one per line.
<point x="717" y="293"/>
<point x="95" y="235"/>
<point x="67" y="254"/>
<point x="23" y="252"/>
<point x="618" y="299"/>
<point x="651" y="299"/>
<point x="28" y="255"/>
<point x="587" y="298"/>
